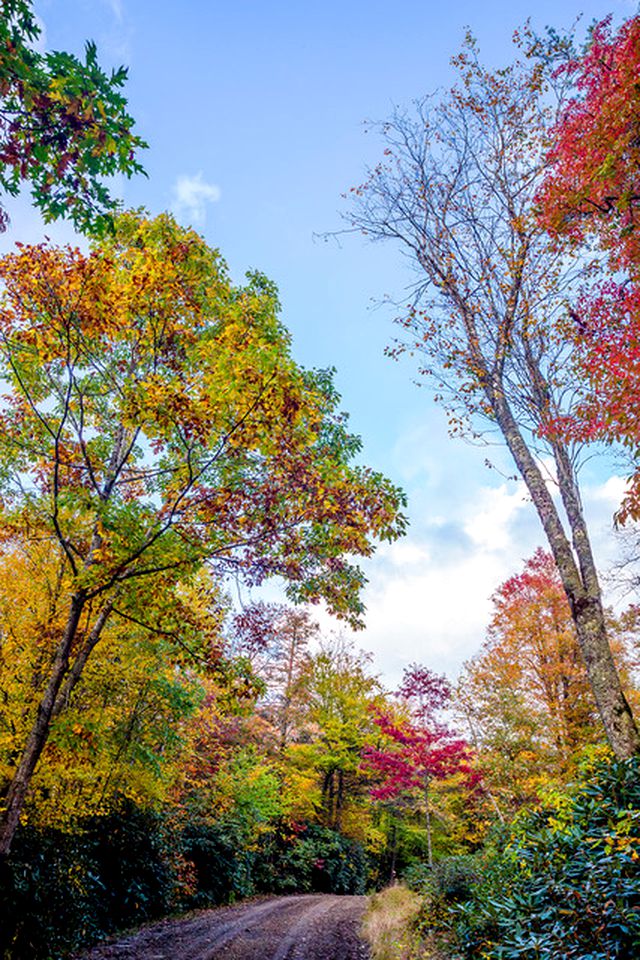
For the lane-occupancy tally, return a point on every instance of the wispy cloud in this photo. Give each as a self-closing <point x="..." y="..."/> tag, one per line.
<point x="116" y="9"/>
<point x="192" y="194"/>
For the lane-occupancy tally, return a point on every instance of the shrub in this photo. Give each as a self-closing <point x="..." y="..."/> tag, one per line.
<point x="222" y="865"/>
<point x="450" y="878"/>
<point x="568" y="882"/>
<point x="61" y="890"/>
<point x="48" y="894"/>
<point x="133" y="862"/>
<point x="310" y="858"/>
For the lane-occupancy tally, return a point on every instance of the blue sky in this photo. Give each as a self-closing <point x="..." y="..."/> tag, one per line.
<point x="254" y="114"/>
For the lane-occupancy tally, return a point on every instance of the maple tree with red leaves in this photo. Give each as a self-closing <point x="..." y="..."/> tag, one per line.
<point x="591" y="191"/>
<point x="604" y="326"/>
<point x="592" y="185"/>
<point x="417" y="749"/>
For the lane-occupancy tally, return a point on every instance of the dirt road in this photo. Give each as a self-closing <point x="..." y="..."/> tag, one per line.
<point x="308" y="927"/>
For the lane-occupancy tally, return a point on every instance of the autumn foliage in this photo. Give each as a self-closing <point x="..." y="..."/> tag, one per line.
<point x="591" y="186"/>
<point x="64" y="126"/>
<point x="167" y="742"/>
<point x="457" y="190"/>
<point x="415" y="755"/>
<point x="525" y="696"/>
<point x="154" y="422"/>
<point x="590" y="193"/>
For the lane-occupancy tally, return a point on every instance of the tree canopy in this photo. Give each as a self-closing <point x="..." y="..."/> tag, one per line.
<point x="590" y="195"/>
<point x="155" y="421"/>
<point x="64" y="125"/>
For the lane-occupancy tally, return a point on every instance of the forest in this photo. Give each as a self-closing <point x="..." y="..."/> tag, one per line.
<point x="165" y="748"/>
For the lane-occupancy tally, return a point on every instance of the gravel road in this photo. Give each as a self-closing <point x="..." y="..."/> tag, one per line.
<point x="309" y="927"/>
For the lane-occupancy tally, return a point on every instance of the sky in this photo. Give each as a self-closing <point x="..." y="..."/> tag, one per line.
<point x="255" y="114"/>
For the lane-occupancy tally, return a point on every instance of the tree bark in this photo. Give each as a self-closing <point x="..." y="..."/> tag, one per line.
<point x="38" y="736"/>
<point x="580" y="579"/>
<point x="80" y="661"/>
<point x="427" y="817"/>
<point x="339" y="800"/>
<point x="394" y="851"/>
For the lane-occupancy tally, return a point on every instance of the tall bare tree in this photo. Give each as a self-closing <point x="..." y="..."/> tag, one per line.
<point x="456" y="192"/>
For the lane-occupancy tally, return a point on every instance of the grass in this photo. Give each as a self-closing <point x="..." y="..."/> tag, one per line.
<point x="388" y="926"/>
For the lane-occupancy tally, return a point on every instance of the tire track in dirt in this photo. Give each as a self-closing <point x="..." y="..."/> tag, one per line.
<point x="298" y="929"/>
<point x="305" y="927"/>
<point x="327" y="931"/>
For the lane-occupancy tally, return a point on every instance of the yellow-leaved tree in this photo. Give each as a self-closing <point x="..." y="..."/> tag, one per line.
<point x="154" y="421"/>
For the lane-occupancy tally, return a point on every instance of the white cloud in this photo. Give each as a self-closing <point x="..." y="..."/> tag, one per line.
<point x="404" y="553"/>
<point x="492" y="516"/>
<point x="191" y="196"/>
<point x="550" y="473"/>
<point x="429" y="595"/>
<point x="435" y="615"/>
<point x="610" y="492"/>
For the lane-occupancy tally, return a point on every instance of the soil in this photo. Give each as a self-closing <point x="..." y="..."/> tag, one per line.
<point x="308" y="927"/>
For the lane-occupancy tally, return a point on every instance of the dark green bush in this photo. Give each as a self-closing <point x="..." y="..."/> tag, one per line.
<point x="132" y="854"/>
<point x="222" y="865"/>
<point x="448" y="882"/>
<point x="48" y="895"/>
<point x="567" y="884"/>
<point x="450" y="879"/>
<point x="61" y="890"/>
<point x="310" y="859"/>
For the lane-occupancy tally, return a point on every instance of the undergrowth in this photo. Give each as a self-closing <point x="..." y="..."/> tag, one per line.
<point x="563" y="883"/>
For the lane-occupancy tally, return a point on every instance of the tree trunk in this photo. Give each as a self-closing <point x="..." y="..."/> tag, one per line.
<point x="394" y="851"/>
<point x="328" y="792"/>
<point x="339" y="800"/>
<point x="427" y="816"/>
<point x="81" y="658"/>
<point x="476" y="745"/>
<point x="580" y="580"/>
<point x="40" y="730"/>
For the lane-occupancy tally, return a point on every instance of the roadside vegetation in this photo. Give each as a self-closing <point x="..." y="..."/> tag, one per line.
<point x="390" y="927"/>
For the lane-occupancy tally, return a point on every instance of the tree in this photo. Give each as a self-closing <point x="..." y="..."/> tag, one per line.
<point x="456" y="192"/>
<point x="532" y="617"/>
<point x="591" y="182"/>
<point x="63" y="125"/>
<point x="417" y="749"/>
<point x="154" y="420"/>
<point x="591" y="192"/>
<point x="526" y="695"/>
<point x="276" y="638"/>
<point x="338" y="691"/>
<point x="123" y="731"/>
